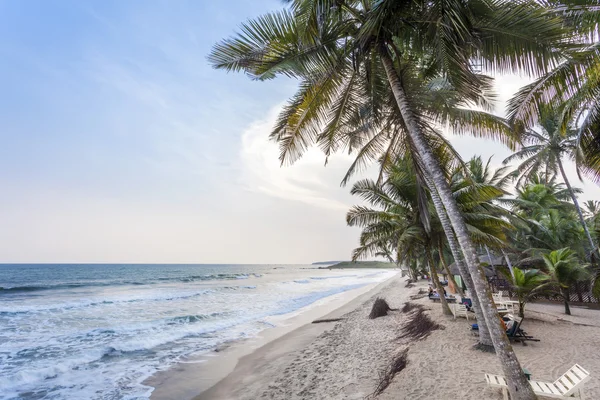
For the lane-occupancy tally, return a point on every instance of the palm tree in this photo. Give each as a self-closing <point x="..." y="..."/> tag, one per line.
<point x="365" y="114"/>
<point x="386" y="251"/>
<point x="485" y="340"/>
<point x="556" y="230"/>
<point x="416" y="269"/>
<point x="381" y="38"/>
<point x="592" y="209"/>
<point x="484" y="174"/>
<point x="474" y="195"/>
<point x="565" y="270"/>
<point x="544" y="222"/>
<point x="573" y="86"/>
<point x="399" y="217"/>
<point x="490" y="185"/>
<point x="476" y="190"/>
<point x="544" y="151"/>
<point x="407" y="230"/>
<point x="445" y="267"/>
<point x="540" y="194"/>
<point x="499" y="178"/>
<point x="526" y="284"/>
<point x="592" y="214"/>
<point x="332" y="45"/>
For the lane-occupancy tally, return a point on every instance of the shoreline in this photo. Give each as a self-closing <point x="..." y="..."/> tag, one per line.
<point x="199" y="377"/>
<point x="346" y="359"/>
<point x="260" y="369"/>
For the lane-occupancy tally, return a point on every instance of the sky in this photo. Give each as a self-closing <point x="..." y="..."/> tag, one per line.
<point x="121" y="144"/>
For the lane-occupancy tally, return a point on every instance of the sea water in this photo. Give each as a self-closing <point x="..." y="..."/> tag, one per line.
<point x="98" y="331"/>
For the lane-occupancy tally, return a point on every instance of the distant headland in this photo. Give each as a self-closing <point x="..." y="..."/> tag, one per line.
<point x="354" y="264"/>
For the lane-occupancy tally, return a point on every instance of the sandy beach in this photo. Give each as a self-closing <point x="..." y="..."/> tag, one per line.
<point x="293" y="332"/>
<point x="344" y="359"/>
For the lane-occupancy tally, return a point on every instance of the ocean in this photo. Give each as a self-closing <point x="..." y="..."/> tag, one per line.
<point x="99" y="331"/>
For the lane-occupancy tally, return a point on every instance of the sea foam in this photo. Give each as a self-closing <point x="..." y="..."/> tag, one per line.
<point x="101" y="338"/>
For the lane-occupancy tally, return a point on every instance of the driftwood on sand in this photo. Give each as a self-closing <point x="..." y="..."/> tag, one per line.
<point x="318" y="321"/>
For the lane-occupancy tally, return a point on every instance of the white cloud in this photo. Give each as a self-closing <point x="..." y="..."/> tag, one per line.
<point x="306" y="181"/>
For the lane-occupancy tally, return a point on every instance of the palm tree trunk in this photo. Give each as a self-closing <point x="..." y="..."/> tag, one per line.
<point x="414" y="271"/>
<point x="485" y="342"/>
<point x="490" y="260"/>
<point x="510" y="267"/>
<point x="521" y="309"/>
<point x="581" y="219"/>
<point x="436" y="280"/>
<point x="447" y="270"/>
<point x="565" y="295"/>
<point x="518" y="385"/>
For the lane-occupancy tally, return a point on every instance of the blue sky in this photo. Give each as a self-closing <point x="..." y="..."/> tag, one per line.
<point x="121" y="144"/>
<point x="117" y="96"/>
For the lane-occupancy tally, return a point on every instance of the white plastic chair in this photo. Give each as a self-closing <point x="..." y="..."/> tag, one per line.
<point x="460" y="310"/>
<point x="569" y="385"/>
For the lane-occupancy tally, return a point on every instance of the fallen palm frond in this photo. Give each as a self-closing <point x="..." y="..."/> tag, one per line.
<point x="418" y="296"/>
<point x="409" y="283"/>
<point x="408" y="307"/>
<point x="419" y="326"/>
<point x="318" y="321"/>
<point x="380" y="308"/>
<point x="386" y="376"/>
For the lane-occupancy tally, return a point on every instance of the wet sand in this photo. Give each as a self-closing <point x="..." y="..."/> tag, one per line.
<point x="191" y="377"/>
<point x="344" y="359"/>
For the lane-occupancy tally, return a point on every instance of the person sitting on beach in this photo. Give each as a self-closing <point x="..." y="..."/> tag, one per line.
<point x="506" y="325"/>
<point x="467" y="303"/>
<point x="430" y="291"/>
<point x="509" y="325"/>
<point x="503" y="323"/>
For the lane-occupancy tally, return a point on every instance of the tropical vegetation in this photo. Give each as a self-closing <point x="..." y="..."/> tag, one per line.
<point x="383" y="79"/>
<point x="565" y="269"/>
<point x="525" y="285"/>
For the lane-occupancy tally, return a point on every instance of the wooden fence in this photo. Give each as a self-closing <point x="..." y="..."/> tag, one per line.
<point x="581" y="292"/>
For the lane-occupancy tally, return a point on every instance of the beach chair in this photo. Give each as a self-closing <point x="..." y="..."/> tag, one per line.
<point x="460" y="310"/>
<point x="509" y="305"/>
<point x="467" y="302"/>
<point x="502" y="310"/>
<point x="569" y="385"/>
<point x="516" y="334"/>
<point x="436" y="299"/>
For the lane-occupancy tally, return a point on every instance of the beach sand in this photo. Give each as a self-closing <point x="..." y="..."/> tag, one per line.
<point x="190" y="377"/>
<point x="343" y="360"/>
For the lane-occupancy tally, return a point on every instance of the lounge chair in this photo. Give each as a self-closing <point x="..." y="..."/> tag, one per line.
<point x="449" y="299"/>
<point x="516" y="334"/>
<point x="569" y="385"/>
<point x="511" y="306"/>
<point x="460" y="310"/>
<point x="502" y="310"/>
<point x="497" y="297"/>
